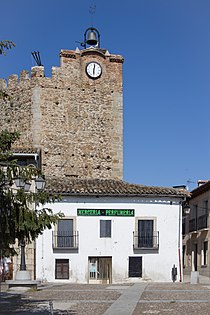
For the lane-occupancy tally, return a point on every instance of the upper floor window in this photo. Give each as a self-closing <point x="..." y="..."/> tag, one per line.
<point x="193" y="222"/>
<point x="105" y="228"/>
<point x="65" y="232"/>
<point x="202" y="220"/>
<point x="24" y="159"/>
<point x="65" y="235"/>
<point x="194" y="212"/>
<point x="205" y="205"/>
<point x="146" y="235"/>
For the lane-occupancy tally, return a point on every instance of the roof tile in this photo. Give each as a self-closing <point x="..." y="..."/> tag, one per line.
<point x="108" y="187"/>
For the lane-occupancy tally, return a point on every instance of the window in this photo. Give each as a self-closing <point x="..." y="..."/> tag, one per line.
<point x="105" y="228"/>
<point x="62" y="269"/>
<point x="206" y="206"/>
<point x="194" y="212"/>
<point x="24" y="159"/>
<point x="65" y="237"/>
<point x="205" y="253"/>
<point x="135" y="267"/>
<point x="202" y="220"/>
<point x="145" y="233"/>
<point x="193" y="218"/>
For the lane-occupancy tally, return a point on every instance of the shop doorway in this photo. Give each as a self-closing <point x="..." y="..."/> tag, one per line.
<point x="100" y="270"/>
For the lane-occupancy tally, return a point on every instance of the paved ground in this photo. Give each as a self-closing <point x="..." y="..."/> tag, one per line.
<point x="128" y="299"/>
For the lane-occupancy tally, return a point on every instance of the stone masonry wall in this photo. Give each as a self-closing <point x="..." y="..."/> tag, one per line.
<point x="76" y="121"/>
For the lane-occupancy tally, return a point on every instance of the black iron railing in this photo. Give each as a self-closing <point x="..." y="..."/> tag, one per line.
<point x="202" y="222"/>
<point x="183" y="228"/>
<point x="192" y="225"/>
<point x="149" y="241"/>
<point x="64" y="240"/>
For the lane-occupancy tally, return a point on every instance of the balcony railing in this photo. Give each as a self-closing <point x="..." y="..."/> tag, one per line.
<point x="147" y="241"/>
<point x="63" y="240"/>
<point x="202" y="222"/>
<point x="183" y="228"/>
<point x="192" y="225"/>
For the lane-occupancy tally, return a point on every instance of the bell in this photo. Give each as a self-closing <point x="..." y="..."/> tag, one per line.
<point x="91" y="38"/>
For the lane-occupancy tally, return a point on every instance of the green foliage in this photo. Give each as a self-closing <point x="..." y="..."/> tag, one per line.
<point x="23" y="215"/>
<point x="6" y="140"/>
<point x="5" y="45"/>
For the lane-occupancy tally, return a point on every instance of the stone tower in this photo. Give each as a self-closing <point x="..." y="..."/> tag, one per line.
<point x="74" y="119"/>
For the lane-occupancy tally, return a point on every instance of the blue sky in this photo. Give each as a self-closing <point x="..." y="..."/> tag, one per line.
<point x="166" y="73"/>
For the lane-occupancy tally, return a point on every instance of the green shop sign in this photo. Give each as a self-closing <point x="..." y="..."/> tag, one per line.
<point x="106" y="212"/>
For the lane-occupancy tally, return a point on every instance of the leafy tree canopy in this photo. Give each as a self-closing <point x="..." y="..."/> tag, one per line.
<point x="5" y="45"/>
<point x="23" y="215"/>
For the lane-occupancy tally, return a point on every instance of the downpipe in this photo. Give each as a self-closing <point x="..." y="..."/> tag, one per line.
<point x="179" y="242"/>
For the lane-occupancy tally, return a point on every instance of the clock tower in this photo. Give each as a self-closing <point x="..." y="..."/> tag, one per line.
<point x="74" y="118"/>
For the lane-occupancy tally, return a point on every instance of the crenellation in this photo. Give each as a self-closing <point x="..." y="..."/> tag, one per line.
<point x="24" y="75"/>
<point x="3" y="84"/>
<point x="37" y="72"/>
<point x="56" y="72"/>
<point x="13" y="82"/>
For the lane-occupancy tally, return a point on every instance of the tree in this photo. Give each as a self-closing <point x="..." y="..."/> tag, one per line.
<point x="4" y="45"/>
<point x="23" y="215"/>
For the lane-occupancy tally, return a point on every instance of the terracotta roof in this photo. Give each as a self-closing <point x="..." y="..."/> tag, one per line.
<point x="108" y="187"/>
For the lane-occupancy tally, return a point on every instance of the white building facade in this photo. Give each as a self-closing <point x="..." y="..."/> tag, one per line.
<point x="112" y="234"/>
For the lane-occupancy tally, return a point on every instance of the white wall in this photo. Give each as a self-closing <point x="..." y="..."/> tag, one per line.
<point x="156" y="265"/>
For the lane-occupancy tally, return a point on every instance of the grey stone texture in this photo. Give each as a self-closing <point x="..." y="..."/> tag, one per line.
<point x="140" y="298"/>
<point x="194" y="277"/>
<point x="74" y="121"/>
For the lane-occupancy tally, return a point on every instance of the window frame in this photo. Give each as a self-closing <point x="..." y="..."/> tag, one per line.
<point x="55" y="232"/>
<point x="131" y="272"/>
<point x="61" y="263"/>
<point x="66" y="218"/>
<point x="105" y="235"/>
<point x="136" y="232"/>
<point x="146" y="218"/>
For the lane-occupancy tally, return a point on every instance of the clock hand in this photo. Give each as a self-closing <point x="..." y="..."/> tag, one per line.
<point x="94" y="69"/>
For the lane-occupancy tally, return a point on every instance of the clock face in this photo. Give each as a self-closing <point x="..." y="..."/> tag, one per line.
<point x="93" y="70"/>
